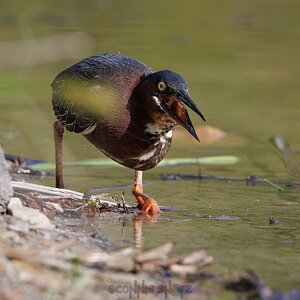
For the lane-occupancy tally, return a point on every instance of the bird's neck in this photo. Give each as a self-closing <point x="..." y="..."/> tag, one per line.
<point x="154" y="124"/>
<point x="149" y="116"/>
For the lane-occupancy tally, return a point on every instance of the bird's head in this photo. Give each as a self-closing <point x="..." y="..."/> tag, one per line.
<point x="170" y="94"/>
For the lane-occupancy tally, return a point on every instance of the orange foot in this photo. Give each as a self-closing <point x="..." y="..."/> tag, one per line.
<point x="146" y="204"/>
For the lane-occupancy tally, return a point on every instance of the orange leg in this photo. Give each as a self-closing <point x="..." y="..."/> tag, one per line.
<point x="146" y="204"/>
<point x="58" y="137"/>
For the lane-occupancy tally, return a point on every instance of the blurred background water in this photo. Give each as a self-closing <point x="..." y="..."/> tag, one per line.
<point x="242" y="62"/>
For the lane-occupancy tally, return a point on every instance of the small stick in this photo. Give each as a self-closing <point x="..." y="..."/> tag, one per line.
<point x="273" y="184"/>
<point x="123" y="203"/>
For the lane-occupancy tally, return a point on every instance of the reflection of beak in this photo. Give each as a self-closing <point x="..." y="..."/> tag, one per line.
<point x="180" y="114"/>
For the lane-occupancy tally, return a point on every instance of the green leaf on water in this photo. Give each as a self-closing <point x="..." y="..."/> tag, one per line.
<point x="108" y="163"/>
<point x="42" y="167"/>
<point x="92" y="163"/>
<point x="208" y="160"/>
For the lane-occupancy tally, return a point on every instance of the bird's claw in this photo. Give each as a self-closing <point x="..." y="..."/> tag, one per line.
<point x="150" y="206"/>
<point x="146" y="204"/>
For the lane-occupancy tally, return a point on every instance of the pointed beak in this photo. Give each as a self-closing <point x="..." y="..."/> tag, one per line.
<point x="180" y="114"/>
<point x="187" y="100"/>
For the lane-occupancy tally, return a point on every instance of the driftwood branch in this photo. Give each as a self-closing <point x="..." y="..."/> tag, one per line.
<point x="42" y="191"/>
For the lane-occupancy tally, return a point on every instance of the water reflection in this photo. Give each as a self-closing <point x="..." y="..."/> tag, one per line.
<point x="138" y="233"/>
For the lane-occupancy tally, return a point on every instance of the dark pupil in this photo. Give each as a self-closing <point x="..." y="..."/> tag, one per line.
<point x="162" y="86"/>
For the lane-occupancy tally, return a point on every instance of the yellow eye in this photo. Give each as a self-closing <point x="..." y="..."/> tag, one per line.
<point x="161" y="86"/>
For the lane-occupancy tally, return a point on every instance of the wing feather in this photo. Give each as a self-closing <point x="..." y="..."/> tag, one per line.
<point x="82" y="92"/>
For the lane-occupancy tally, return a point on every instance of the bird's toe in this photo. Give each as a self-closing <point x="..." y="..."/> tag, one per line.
<point x="150" y="206"/>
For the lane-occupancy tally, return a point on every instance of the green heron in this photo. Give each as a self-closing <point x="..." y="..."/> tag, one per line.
<point x="123" y="108"/>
